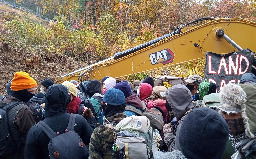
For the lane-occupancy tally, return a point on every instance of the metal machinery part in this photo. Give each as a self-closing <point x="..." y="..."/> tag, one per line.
<point x="188" y="42"/>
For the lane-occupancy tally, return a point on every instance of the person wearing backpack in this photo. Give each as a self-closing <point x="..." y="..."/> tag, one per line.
<point x="237" y="105"/>
<point x="103" y="137"/>
<point x="42" y="144"/>
<point x="15" y="116"/>
<point x="133" y="102"/>
<point x="179" y="98"/>
<point x="93" y="91"/>
<point x="232" y="107"/>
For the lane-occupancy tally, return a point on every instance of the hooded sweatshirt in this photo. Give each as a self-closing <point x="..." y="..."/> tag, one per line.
<point x="145" y="90"/>
<point x="134" y="100"/>
<point x="57" y="119"/>
<point x="180" y="99"/>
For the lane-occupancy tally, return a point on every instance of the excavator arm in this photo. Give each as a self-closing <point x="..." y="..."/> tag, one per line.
<point x="188" y="42"/>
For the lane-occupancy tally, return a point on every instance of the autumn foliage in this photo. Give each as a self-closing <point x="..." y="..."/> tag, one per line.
<point x="80" y="32"/>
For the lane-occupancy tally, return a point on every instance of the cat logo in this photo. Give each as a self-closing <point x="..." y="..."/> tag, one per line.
<point x="164" y="56"/>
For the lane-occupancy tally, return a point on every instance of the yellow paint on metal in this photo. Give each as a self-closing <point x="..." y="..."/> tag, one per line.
<point x="182" y="45"/>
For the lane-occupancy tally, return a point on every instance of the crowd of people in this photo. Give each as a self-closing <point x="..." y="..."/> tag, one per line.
<point x="121" y="119"/>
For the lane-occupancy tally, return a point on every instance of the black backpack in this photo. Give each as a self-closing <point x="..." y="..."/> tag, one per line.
<point x="9" y="136"/>
<point x="67" y="145"/>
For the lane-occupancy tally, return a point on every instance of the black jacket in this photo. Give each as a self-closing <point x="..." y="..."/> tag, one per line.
<point x="36" y="146"/>
<point x="56" y="101"/>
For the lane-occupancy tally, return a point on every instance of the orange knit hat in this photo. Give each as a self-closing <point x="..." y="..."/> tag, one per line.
<point x="22" y="81"/>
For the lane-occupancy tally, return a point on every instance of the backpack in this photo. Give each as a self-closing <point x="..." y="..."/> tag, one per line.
<point x="9" y="136"/>
<point x="96" y="103"/>
<point x="132" y="133"/>
<point x="67" y="145"/>
<point x="132" y="110"/>
<point x="36" y="110"/>
<point x="155" y="117"/>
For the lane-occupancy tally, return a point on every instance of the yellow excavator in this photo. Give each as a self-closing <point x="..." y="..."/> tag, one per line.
<point x="187" y="43"/>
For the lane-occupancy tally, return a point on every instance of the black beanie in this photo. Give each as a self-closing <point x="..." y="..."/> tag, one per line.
<point x="149" y="80"/>
<point x="47" y="83"/>
<point x="212" y="88"/>
<point x="93" y="86"/>
<point x="203" y="134"/>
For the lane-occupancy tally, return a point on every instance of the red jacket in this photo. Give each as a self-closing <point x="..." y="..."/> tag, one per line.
<point x="73" y="106"/>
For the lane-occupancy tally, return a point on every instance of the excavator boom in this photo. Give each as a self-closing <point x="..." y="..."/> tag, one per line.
<point x="187" y="43"/>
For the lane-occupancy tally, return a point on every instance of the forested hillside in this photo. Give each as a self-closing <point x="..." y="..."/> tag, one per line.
<point x="63" y="35"/>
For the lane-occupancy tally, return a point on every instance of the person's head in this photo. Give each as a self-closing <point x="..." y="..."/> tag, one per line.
<point x="145" y="90"/>
<point x="124" y="87"/>
<point x="75" y="83"/>
<point x="71" y="89"/>
<point x="23" y="86"/>
<point x="56" y="100"/>
<point x="159" y="92"/>
<point x="109" y="83"/>
<point x="192" y="83"/>
<point x="203" y="134"/>
<point x="114" y="100"/>
<point x="159" y="82"/>
<point x="248" y="78"/>
<point x="103" y="79"/>
<point x="92" y="87"/>
<point x="149" y="80"/>
<point x="233" y="108"/>
<point x="83" y="87"/>
<point x="180" y="99"/>
<point x="114" y="97"/>
<point x="136" y="83"/>
<point x="45" y="84"/>
<point x="206" y="88"/>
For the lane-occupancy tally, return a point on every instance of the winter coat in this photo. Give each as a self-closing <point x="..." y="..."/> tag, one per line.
<point x="180" y="100"/>
<point x="24" y="120"/>
<point x="73" y="106"/>
<point x="37" y="141"/>
<point x="57" y="119"/>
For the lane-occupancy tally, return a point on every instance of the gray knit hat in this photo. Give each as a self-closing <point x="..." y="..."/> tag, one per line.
<point x="203" y="134"/>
